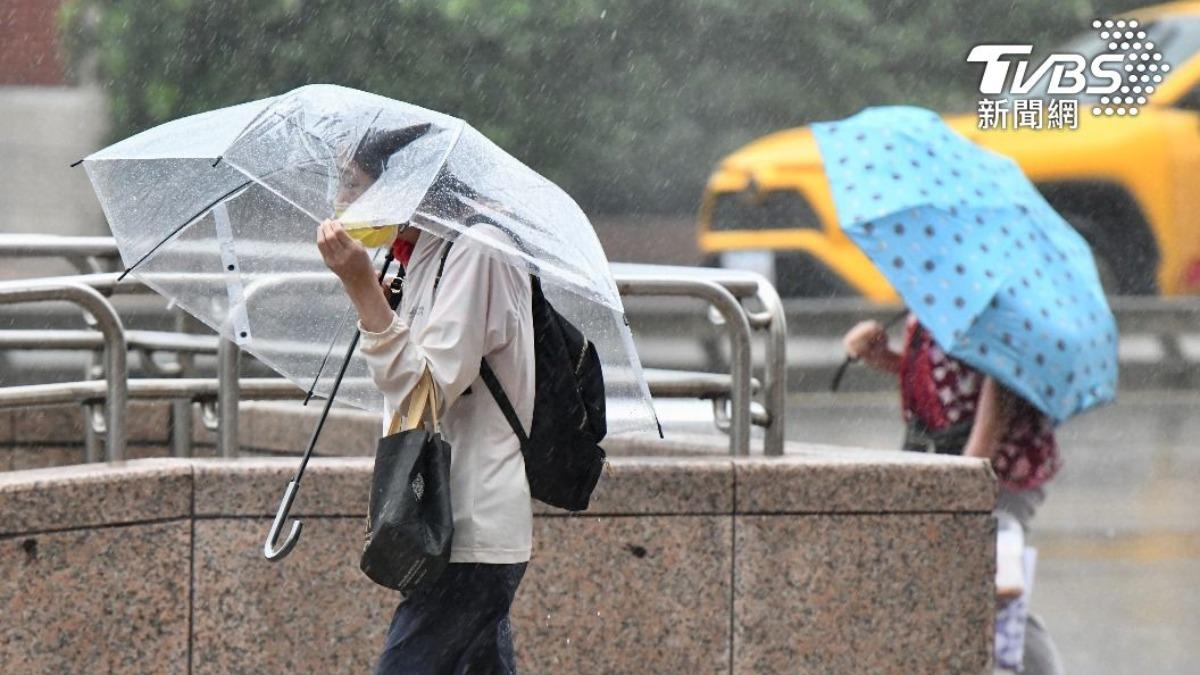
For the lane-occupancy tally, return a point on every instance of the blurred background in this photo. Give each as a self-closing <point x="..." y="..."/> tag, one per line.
<point x="630" y="106"/>
<point x="627" y="105"/>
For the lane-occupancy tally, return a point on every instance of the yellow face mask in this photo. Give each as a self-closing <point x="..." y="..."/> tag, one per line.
<point x="371" y="236"/>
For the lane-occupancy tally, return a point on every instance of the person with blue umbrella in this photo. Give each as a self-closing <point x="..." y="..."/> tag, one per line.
<point x="1008" y="332"/>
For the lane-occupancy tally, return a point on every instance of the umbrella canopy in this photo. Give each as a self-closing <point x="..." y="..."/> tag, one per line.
<point x="219" y="211"/>
<point x="990" y="269"/>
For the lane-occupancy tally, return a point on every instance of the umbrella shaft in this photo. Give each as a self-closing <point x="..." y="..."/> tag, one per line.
<point x="312" y="442"/>
<point x="337" y="383"/>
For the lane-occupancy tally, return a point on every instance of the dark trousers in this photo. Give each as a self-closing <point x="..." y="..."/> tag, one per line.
<point x="456" y="625"/>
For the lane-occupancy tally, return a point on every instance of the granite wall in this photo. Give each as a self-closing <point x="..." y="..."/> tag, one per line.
<point x="827" y="560"/>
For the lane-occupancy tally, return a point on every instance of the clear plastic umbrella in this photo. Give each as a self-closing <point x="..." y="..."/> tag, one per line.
<point x="219" y="212"/>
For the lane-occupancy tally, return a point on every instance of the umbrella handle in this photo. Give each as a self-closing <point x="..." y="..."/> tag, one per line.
<point x="269" y="551"/>
<point x="841" y="372"/>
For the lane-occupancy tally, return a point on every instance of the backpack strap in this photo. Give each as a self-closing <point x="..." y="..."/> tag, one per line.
<point x="506" y="407"/>
<point x="485" y="371"/>
<point x="442" y="267"/>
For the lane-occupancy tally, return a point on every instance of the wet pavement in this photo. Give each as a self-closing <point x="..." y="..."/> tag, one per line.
<point x="1118" y="578"/>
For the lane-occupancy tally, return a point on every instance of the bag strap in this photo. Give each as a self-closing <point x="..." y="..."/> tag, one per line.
<point x="423" y="395"/>
<point x="485" y="371"/>
<point x="506" y="406"/>
<point x="437" y="280"/>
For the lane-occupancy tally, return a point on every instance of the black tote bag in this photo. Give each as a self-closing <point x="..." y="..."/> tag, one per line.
<point x="409" y="519"/>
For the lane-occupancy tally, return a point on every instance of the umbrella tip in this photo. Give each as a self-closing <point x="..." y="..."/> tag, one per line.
<point x="76" y="163"/>
<point x="217" y="160"/>
<point x="124" y="274"/>
<point x="307" y="397"/>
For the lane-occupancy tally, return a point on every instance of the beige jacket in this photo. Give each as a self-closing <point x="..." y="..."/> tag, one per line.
<point x="481" y="309"/>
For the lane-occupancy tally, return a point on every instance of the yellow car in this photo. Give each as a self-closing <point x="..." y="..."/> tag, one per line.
<point x="1130" y="185"/>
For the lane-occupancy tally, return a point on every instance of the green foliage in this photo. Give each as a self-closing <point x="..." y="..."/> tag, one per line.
<point x="627" y="104"/>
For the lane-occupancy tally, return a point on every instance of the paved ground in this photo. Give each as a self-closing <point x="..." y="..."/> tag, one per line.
<point x="1118" y="581"/>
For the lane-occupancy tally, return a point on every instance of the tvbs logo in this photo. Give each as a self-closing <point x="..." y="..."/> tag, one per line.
<point x="1120" y="76"/>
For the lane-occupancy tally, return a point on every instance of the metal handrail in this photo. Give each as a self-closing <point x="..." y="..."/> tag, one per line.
<point x="198" y="390"/>
<point x="229" y="357"/>
<point x="722" y="289"/>
<point x="735" y="316"/>
<point x="82" y="252"/>
<point x="115" y="367"/>
<point x="775" y="372"/>
<point x="138" y="340"/>
<point x="20" y="245"/>
<point x="772" y="318"/>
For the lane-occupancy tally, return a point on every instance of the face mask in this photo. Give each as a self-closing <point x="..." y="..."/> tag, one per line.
<point x="371" y="236"/>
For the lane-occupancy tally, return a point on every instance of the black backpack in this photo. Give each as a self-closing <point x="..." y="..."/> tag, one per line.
<point x="563" y="460"/>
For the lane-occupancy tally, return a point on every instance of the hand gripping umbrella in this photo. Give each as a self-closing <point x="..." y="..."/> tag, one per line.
<point x="990" y="269"/>
<point x="219" y="212"/>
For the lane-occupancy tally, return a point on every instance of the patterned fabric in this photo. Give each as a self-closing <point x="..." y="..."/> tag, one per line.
<point x="940" y="391"/>
<point x="990" y="269"/>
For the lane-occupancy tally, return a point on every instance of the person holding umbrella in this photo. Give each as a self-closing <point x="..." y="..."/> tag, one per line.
<point x="1008" y="333"/>
<point x="480" y="307"/>
<point x="950" y="408"/>
<point x="219" y="211"/>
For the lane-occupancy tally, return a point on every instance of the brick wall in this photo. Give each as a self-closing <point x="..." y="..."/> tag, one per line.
<point x="29" y="49"/>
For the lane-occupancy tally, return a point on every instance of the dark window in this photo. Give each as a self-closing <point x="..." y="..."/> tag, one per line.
<point x="775" y="210"/>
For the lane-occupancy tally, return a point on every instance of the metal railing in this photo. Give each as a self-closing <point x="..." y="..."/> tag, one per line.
<point x="85" y="253"/>
<point x="732" y="396"/>
<point x="115" y="366"/>
<point x="739" y="286"/>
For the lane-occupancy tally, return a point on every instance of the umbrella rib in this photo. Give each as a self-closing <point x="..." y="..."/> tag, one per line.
<point x="312" y="388"/>
<point x="179" y="229"/>
<point x="241" y="133"/>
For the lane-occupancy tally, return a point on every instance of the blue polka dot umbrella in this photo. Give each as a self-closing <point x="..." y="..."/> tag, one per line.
<point x="990" y="269"/>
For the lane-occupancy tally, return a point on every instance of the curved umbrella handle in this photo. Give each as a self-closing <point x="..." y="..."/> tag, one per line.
<point x="269" y="551"/>
<point x="841" y="372"/>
